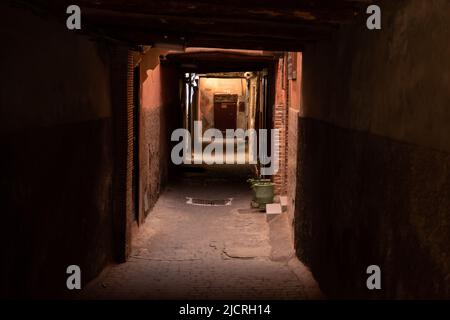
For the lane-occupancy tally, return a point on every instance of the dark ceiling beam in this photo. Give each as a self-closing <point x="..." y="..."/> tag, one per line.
<point x="252" y="44"/>
<point x="205" y="40"/>
<point x="219" y="55"/>
<point x="225" y="11"/>
<point x="310" y="11"/>
<point x="220" y="61"/>
<point x="241" y="24"/>
<point x="223" y="66"/>
<point x="211" y="26"/>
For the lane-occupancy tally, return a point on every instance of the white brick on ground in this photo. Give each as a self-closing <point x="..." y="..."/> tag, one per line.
<point x="273" y="208"/>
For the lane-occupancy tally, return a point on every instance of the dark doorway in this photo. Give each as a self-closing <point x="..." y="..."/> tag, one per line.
<point x="225" y="111"/>
<point x="135" y="166"/>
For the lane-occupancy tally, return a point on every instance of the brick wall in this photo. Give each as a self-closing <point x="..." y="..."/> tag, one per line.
<point x="280" y="123"/>
<point x="122" y="99"/>
<point x="286" y="112"/>
<point x="288" y="79"/>
<point x="294" y="108"/>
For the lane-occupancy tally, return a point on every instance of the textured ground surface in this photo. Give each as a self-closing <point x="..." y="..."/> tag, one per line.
<point x="196" y="252"/>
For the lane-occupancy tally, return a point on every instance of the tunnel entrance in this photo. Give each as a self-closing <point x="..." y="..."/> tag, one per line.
<point x="203" y="227"/>
<point x="88" y="177"/>
<point x="226" y="97"/>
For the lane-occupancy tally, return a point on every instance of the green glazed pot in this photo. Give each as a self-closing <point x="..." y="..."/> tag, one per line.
<point x="263" y="192"/>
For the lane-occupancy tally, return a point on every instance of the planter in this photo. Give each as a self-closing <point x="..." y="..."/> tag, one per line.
<point x="252" y="181"/>
<point x="263" y="190"/>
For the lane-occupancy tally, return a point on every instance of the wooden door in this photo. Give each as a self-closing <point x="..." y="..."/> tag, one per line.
<point x="225" y="111"/>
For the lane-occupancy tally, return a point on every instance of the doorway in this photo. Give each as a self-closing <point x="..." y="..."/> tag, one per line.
<point x="225" y="111"/>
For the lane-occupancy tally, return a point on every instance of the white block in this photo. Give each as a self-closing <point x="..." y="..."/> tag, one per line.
<point x="273" y="208"/>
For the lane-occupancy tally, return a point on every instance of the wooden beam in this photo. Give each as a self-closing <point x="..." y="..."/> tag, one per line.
<point x="183" y="25"/>
<point x="206" y="40"/>
<point x="249" y="24"/>
<point x="322" y="11"/>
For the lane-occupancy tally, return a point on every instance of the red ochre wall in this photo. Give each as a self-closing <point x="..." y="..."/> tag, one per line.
<point x="160" y="115"/>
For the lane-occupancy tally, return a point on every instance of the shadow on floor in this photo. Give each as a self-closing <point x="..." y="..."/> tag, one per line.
<point x="185" y="251"/>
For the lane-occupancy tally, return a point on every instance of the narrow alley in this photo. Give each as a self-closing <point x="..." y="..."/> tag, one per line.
<point x="208" y="252"/>
<point x="242" y="150"/>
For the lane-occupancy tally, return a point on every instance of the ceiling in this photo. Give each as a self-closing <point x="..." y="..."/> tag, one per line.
<point x="283" y="25"/>
<point x="220" y="61"/>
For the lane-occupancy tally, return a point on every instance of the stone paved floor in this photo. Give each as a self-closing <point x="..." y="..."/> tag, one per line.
<point x="194" y="252"/>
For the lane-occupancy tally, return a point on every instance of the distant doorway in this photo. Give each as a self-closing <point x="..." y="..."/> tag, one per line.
<point x="225" y="111"/>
